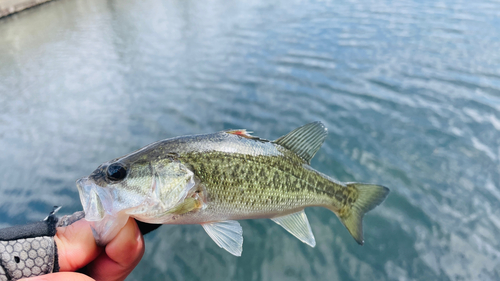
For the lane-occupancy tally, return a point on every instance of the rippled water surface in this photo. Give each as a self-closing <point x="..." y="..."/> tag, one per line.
<point x="410" y="92"/>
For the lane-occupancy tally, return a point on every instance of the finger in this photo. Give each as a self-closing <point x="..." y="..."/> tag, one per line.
<point x="76" y="246"/>
<point x="60" y="276"/>
<point x="120" y="256"/>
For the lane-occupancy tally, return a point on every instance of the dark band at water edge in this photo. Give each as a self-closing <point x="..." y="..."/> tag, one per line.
<point x="10" y="7"/>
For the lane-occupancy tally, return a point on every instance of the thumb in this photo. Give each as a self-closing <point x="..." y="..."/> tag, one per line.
<point x="61" y="276"/>
<point x="76" y="246"/>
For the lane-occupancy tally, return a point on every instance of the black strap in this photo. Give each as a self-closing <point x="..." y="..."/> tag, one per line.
<point x="146" y="228"/>
<point x="36" y="229"/>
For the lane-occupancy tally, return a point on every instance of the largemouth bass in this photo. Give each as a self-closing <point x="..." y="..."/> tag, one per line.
<point x="216" y="179"/>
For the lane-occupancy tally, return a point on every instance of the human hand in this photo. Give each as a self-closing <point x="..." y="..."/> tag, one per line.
<point x="78" y="251"/>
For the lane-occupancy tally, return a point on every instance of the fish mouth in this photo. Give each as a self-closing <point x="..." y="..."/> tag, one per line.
<point x="90" y="199"/>
<point x="98" y="207"/>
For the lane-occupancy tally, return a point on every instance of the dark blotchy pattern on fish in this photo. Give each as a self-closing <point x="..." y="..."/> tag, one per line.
<point x="255" y="185"/>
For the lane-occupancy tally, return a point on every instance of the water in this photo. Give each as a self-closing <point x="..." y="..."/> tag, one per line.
<point x="410" y="92"/>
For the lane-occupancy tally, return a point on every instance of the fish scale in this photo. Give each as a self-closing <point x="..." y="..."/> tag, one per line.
<point x="278" y="185"/>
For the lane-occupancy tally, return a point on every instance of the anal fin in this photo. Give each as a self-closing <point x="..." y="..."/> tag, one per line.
<point x="227" y="235"/>
<point x="298" y="225"/>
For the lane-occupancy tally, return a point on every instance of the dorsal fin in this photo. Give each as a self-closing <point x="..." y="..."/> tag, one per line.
<point x="242" y="133"/>
<point x="305" y="141"/>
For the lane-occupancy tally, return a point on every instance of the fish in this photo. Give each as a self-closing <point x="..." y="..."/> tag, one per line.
<point x="217" y="179"/>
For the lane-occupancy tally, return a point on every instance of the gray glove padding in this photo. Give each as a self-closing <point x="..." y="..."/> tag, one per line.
<point x="30" y="250"/>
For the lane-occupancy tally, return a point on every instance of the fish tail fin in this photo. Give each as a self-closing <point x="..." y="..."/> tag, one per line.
<point x="369" y="197"/>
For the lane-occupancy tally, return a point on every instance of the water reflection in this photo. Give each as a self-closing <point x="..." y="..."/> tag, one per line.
<point x="409" y="91"/>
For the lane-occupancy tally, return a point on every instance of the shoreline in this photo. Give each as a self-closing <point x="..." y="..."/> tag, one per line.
<point x="9" y="7"/>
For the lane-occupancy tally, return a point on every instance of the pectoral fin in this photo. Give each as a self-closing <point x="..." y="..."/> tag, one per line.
<point x="227" y="235"/>
<point x="298" y="225"/>
<point x="188" y="205"/>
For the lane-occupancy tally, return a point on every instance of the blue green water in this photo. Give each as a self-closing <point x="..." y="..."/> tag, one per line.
<point x="410" y="92"/>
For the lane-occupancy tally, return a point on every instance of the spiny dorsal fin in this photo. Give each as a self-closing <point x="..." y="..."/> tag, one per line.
<point x="241" y="132"/>
<point x="305" y="141"/>
<point x="244" y="134"/>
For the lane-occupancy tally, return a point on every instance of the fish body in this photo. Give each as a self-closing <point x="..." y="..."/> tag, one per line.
<point x="216" y="179"/>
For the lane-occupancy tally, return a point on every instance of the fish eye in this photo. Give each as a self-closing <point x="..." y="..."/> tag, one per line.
<point x="116" y="172"/>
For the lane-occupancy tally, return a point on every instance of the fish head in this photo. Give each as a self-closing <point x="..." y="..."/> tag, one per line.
<point x="145" y="188"/>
